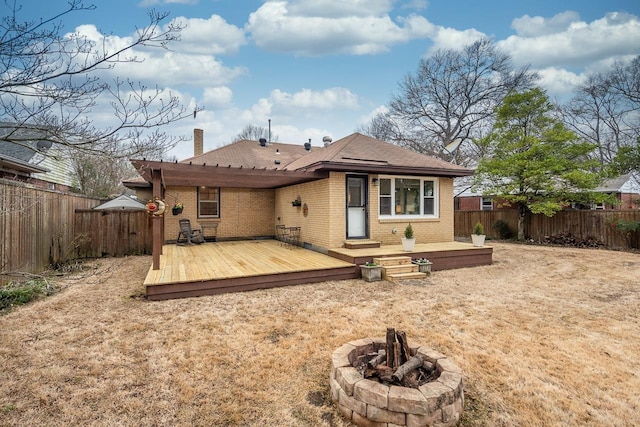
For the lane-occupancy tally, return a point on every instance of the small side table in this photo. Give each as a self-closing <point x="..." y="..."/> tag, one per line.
<point x="209" y="231"/>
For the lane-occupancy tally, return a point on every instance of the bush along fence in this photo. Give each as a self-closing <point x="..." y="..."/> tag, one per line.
<point x="615" y="229"/>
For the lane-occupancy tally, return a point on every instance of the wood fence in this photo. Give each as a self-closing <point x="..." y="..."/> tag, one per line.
<point x="587" y="224"/>
<point x="112" y="233"/>
<point x="39" y="228"/>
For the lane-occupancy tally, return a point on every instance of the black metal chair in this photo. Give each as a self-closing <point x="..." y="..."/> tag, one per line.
<point x="293" y="237"/>
<point x="281" y="234"/>
<point x="189" y="235"/>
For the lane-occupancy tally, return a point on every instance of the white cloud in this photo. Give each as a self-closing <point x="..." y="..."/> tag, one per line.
<point x="328" y="99"/>
<point x="162" y="67"/>
<point x="215" y="98"/>
<point x="305" y="28"/>
<point x="528" y="26"/>
<point x="558" y="82"/>
<point x="212" y="36"/>
<point x="578" y="45"/>
<point x="450" y="38"/>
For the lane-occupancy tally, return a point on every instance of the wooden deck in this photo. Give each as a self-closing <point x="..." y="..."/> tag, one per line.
<point x="219" y="267"/>
<point x="444" y="256"/>
<point x="213" y="268"/>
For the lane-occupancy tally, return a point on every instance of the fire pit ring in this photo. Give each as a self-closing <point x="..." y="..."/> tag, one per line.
<point x="365" y="402"/>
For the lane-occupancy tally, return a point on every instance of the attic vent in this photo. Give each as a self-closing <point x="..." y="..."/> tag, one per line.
<point x="263" y="142"/>
<point x="307" y="145"/>
<point x="326" y="140"/>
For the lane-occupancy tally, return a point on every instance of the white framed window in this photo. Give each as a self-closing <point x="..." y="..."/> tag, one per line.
<point x="487" y="204"/>
<point x="208" y="202"/>
<point x="598" y="206"/>
<point x="408" y="197"/>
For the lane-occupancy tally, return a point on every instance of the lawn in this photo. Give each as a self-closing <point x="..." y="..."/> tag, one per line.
<point x="546" y="336"/>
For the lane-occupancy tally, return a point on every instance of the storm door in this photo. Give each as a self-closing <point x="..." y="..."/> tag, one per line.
<point x="357" y="206"/>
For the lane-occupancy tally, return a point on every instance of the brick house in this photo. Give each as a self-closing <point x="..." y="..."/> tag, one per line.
<point x="354" y="188"/>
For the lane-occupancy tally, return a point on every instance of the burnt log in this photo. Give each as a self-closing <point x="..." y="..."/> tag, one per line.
<point x="391" y="339"/>
<point x="379" y="359"/>
<point x="414" y="363"/>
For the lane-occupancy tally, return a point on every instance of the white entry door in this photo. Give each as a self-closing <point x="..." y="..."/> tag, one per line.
<point x="356" y="207"/>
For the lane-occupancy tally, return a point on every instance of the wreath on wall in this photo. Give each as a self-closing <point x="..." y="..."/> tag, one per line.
<point x="155" y="207"/>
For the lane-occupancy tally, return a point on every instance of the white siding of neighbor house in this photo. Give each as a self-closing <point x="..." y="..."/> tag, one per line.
<point x="59" y="166"/>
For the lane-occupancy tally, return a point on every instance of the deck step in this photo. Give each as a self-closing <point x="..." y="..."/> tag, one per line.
<point x="393" y="260"/>
<point x="388" y="270"/>
<point x="402" y="276"/>
<point x="361" y="244"/>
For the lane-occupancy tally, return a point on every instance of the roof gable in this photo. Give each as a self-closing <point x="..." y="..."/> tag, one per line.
<point x="359" y="152"/>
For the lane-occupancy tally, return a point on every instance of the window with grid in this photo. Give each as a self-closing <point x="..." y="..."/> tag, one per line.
<point x="408" y="197"/>
<point x="209" y="202"/>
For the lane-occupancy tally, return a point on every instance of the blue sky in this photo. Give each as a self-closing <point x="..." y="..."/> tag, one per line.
<point x="324" y="67"/>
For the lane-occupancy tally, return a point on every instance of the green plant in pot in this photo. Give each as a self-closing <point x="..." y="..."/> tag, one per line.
<point x="408" y="241"/>
<point x="478" y="236"/>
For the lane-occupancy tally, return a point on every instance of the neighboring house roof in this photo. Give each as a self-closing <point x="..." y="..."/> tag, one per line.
<point x="121" y="203"/>
<point x="628" y="184"/>
<point x="249" y="164"/>
<point x="47" y="161"/>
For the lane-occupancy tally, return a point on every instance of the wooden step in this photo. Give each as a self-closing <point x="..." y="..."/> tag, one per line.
<point x="361" y="244"/>
<point x="403" y="276"/>
<point x="388" y="270"/>
<point x="393" y="260"/>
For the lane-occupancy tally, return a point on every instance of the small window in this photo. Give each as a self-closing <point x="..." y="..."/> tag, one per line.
<point x="208" y="202"/>
<point x="487" y="204"/>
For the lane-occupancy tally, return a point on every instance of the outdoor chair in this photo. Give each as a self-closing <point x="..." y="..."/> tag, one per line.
<point x="293" y="237"/>
<point x="282" y="234"/>
<point x="189" y="235"/>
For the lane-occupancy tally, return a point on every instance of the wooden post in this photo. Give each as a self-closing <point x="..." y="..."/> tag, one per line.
<point x="157" y="222"/>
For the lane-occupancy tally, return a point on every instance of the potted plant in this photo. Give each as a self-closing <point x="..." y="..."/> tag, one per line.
<point x="177" y="207"/>
<point x="424" y="265"/>
<point x="371" y="271"/>
<point x="478" y="236"/>
<point x="408" y="241"/>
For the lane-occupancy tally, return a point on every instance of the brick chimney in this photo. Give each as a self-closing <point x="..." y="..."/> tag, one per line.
<point x="198" y="142"/>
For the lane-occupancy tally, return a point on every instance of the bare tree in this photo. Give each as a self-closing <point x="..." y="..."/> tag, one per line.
<point x="453" y="96"/>
<point x="49" y="84"/>
<point x="604" y="110"/>
<point x="254" y="133"/>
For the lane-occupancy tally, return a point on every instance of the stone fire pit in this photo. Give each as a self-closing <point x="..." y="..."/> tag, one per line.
<point x="370" y="403"/>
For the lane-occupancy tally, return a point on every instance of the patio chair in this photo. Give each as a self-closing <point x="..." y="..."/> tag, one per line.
<point x="189" y="235"/>
<point x="293" y="238"/>
<point x="282" y="234"/>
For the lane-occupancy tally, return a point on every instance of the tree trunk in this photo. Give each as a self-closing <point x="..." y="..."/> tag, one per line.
<point x="522" y="211"/>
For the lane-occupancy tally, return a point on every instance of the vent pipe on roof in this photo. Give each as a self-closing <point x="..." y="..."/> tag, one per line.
<point x="263" y="142"/>
<point x="327" y="141"/>
<point x="198" y="142"/>
<point x="307" y="145"/>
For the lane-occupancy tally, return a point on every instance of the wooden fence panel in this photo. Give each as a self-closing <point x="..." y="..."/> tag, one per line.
<point x="581" y="224"/>
<point x="36" y="226"/>
<point x="113" y="233"/>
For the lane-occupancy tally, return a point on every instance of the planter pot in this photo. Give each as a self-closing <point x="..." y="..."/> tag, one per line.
<point x="408" y="244"/>
<point x="371" y="274"/>
<point x="424" y="267"/>
<point x="478" y="240"/>
<point x="176" y="211"/>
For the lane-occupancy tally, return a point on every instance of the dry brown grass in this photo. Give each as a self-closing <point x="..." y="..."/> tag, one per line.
<point x="545" y="336"/>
